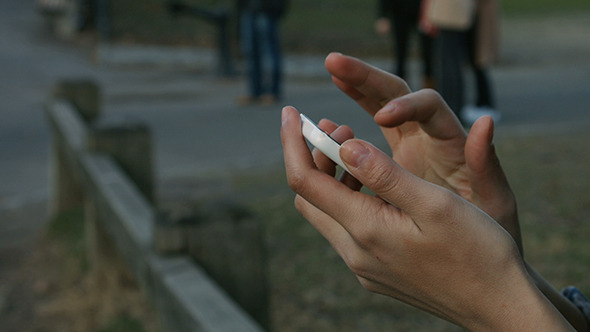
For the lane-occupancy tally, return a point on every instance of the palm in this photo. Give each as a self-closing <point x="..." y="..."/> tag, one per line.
<point x="441" y="162"/>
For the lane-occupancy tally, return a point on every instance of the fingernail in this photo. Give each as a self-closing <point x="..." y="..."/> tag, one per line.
<point x="389" y="108"/>
<point x="336" y="135"/>
<point x="284" y="117"/>
<point x="354" y="153"/>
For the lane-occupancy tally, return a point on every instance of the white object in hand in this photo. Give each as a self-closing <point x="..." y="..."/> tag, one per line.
<point x="322" y="141"/>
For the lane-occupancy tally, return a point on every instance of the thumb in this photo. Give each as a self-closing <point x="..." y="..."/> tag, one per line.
<point x="490" y="188"/>
<point x="485" y="173"/>
<point x="378" y="172"/>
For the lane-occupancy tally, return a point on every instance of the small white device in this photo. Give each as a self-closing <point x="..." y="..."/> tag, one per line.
<point x="321" y="140"/>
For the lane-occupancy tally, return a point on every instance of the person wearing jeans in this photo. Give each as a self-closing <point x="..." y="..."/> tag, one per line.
<point x="259" y="24"/>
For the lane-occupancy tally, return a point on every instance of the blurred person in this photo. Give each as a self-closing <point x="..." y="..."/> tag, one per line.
<point x="403" y="16"/>
<point x="441" y="231"/>
<point x="483" y="47"/>
<point x="468" y="32"/>
<point x="260" y="39"/>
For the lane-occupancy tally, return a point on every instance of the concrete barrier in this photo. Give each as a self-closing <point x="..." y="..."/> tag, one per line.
<point x="120" y="218"/>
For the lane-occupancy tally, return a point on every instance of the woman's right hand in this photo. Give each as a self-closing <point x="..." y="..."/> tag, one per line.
<point x="414" y="240"/>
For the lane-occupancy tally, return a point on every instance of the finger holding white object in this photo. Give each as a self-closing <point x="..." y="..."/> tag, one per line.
<point x="321" y="140"/>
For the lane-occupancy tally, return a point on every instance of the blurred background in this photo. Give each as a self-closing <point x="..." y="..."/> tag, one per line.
<point x="163" y="69"/>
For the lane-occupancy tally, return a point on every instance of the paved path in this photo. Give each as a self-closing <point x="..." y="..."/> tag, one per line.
<point x="30" y="62"/>
<point x="197" y="126"/>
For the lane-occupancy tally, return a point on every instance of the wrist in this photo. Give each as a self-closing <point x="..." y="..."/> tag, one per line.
<point x="518" y="306"/>
<point x="567" y="308"/>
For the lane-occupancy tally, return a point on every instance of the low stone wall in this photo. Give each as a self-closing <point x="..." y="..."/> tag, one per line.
<point x="109" y="171"/>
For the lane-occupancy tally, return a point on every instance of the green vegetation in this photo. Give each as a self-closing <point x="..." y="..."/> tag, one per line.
<point x="75" y="294"/>
<point x="67" y="228"/>
<point x="123" y="323"/>
<point x="550" y="177"/>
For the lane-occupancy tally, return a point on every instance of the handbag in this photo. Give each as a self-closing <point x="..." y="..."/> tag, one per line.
<point x="451" y="14"/>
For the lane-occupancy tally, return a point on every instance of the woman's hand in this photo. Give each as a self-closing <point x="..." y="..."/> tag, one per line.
<point x="414" y="241"/>
<point x="428" y="140"/>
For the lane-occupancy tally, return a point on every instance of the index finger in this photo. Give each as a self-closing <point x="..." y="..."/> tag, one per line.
<point x="425" y="107"/>
<point x="316" y="187"/>
<point x="369" y="86"/>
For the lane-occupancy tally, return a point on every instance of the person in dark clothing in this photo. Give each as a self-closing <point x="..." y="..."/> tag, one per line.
<point x="403" y="16"/>
<point x="468" y="33"/>
<point x="259" y="32"/>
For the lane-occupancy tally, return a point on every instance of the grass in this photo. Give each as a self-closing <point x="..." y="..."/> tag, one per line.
<point x="67" y="228"/>
<point x="313" y="290"/>
<point x="550" y="175"/>
<point x="123" y="323"/>
<point x="69" y="293"/>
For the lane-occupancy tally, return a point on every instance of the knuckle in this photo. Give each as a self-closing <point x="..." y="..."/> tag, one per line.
<point x="382" y="179"/>
<point x="365" y="236"/>
<point x="368" y="284"/>
<point x="433" y="97"/>
<point x="301" y="204"/>
<point x="298" y="202"/>
<point x="445" y="206"/>
<point x="357" y="264"/>
<point x="431" y="93"/>
<point x="405" y="103"/>
<point x="447" y="200"/>
<point x="297" y="181"/>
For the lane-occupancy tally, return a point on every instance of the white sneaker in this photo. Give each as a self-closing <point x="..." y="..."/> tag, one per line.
<point x="471" y="113"/>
